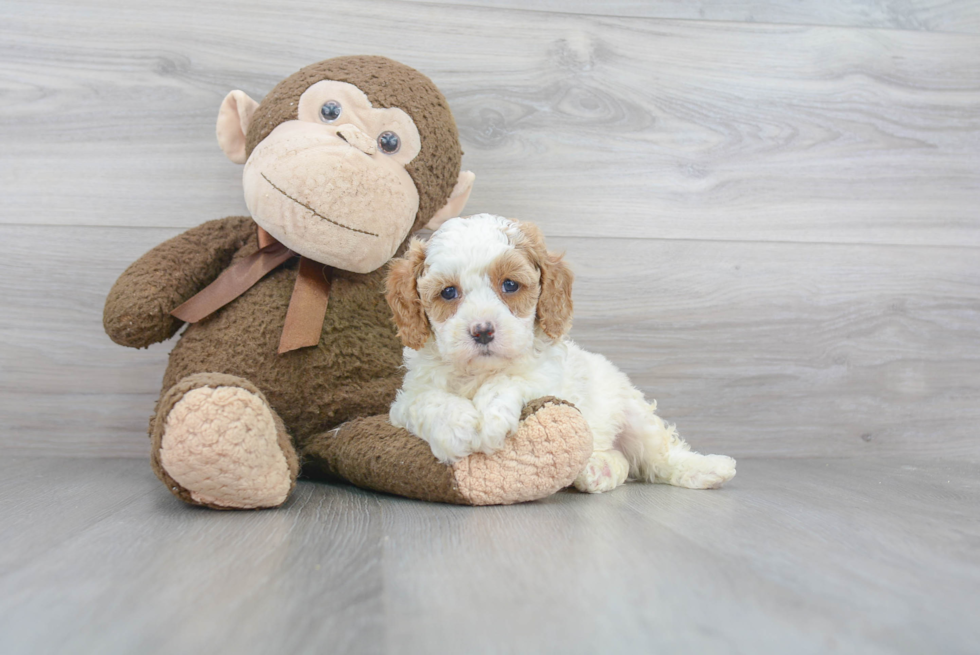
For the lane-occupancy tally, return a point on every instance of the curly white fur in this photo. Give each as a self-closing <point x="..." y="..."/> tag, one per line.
<point x="463" y="396"/>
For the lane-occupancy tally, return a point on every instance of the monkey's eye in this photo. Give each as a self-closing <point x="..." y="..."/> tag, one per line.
<point x="389" y="142"/>
<point x="330" y="111"/>
<point x="510" y="286"/>
<point x="449" y="293"/>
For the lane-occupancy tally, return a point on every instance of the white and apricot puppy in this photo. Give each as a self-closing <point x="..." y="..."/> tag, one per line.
<point x="482" y="309"/>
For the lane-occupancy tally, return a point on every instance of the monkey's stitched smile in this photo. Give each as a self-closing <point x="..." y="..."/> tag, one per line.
<point x="315" y="212"/>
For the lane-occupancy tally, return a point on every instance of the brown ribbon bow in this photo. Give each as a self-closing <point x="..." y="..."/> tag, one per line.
<point x="307" y="306"/>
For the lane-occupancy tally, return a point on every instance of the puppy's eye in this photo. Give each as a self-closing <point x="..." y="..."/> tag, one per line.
<point x="449" y="293"/>
<point x="510" y="286"/>
<point x="330" y="111"/>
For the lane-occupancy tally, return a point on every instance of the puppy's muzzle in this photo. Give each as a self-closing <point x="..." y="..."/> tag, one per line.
<point x="482" y="333"/>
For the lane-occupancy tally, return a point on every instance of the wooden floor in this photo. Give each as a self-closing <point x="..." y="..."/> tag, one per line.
<point x="773" y="212"/>
<point x="795" y="556"/>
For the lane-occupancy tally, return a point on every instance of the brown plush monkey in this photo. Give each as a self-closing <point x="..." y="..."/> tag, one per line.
<point x="290" y="357"/>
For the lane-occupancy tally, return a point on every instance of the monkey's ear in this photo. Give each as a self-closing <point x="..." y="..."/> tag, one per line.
<point x="457" y="200"/>
<point x="233" y="119"/>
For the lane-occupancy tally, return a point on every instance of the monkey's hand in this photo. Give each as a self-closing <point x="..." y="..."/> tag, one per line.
<point x="137" y="310"/>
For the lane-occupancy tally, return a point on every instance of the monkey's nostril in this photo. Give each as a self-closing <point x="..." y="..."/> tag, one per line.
<point x="482" y="334"/>
<point x="358" y="139"/>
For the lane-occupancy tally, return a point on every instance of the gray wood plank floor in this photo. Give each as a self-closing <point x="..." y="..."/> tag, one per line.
<point x="801" y="556"/>
<point x="772" y="210"/>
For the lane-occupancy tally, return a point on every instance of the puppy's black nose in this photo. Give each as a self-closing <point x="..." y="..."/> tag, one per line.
<point x="482" y="333"/>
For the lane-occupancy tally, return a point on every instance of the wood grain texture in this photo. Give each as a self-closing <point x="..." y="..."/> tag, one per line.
<point x="752" y="348"/>
<point x="42" y="505"/>
<point x="700" y="174"/>
<point x="926" y="15"/>
<point x="802" y="556"/>
<point x="65" y="388"/>
<point x="618" y="126"/>
<point x="158" y="576"/>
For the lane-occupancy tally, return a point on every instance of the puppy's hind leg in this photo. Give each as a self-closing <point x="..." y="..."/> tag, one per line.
<point x="605" y="470"/>
<point x="657" y="453"/>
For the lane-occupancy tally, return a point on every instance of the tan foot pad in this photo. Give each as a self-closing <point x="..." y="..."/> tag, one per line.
<point x="220" y="444"/>
<point x="545" y="455"/>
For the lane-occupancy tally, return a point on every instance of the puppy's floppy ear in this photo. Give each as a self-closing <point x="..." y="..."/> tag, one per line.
<point x="554" y="313"/>
<point x="402" y="294"/>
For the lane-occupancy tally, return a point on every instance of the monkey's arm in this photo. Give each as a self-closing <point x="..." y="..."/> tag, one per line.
<point x="137" y="310"/>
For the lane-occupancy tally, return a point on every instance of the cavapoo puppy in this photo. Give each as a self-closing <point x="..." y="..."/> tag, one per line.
<point x="483" y="308"/>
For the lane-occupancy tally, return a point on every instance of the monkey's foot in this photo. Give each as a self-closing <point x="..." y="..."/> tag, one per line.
<point x="552" y="444"/>
<point x="218" y="443"/>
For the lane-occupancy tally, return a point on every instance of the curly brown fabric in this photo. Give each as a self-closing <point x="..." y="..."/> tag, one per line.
<point x="373" y="454"/>
<point x="137" y="310"/>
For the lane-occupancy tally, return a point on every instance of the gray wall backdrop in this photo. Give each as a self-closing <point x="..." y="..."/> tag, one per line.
<point x="773" y="209"/>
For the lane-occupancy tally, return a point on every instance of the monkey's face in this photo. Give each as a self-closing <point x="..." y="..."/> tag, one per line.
<point x="331" y="184"/>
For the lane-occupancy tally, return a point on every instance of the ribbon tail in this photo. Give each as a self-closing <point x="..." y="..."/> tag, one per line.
<point x="307" y="307"/>
<point x="265" y="239"/>
<point x="233" y="282"/>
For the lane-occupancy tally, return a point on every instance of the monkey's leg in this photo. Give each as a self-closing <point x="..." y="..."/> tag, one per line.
<point x="217" y="442"/>
<point x="549" y="449"/>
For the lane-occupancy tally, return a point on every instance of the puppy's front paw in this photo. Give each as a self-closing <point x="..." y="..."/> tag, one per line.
<point x="498" y="423"/>
<point x="606" y="470"/>
<point x="458" y="437"/>
<point x="500" y="415"/>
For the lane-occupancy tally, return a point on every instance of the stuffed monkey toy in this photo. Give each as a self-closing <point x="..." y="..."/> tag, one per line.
<point x="290" y="358"/>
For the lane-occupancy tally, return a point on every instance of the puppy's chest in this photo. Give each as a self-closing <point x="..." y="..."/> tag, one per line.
<point x="464" y="387"/>
<point x="534" y="382"/>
